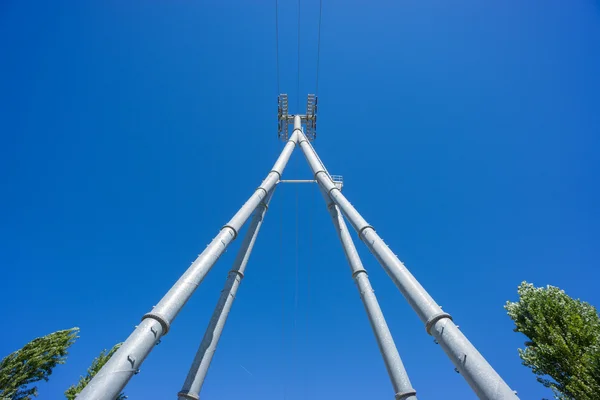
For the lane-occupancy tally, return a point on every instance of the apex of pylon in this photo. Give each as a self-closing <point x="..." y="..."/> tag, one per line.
<point x="284" y="118"/>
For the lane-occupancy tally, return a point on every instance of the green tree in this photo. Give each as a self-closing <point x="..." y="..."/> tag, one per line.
<point x="564" y="340"/>
<point x="98" y="363"/>
<point x="34" y="362"/>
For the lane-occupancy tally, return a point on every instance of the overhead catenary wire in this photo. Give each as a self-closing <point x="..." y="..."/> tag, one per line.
<point x="298" y="80"/>
<point x="282" y="276"/>
<point x="319" y="47"/>
<point x="277" y="44"/>
<point x="296" y="286"/>
<point x="308" y="265"/>
<point x="281" y="267"/>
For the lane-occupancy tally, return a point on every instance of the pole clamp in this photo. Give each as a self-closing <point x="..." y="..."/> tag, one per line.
<point x="361" y="230"/>
<point x="161" y="320"/>
<point x="322" y="171"/>
<point x="432" y="320"/>
<point x="187" y="395"/>
<point x="358" y="272"/>
<point x="405" y="395"/>
<point x="235" y="233"/>
<point x="238" y="273"/>
<point x="263" y="189"/>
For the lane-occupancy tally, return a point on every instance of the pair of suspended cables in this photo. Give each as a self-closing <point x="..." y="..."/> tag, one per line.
<point x="298" y="66"/>
<point x="319" y="47"/>
<point x="281" y="262"/>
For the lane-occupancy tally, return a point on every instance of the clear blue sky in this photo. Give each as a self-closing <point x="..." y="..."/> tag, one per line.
<point x="467" y="134"/>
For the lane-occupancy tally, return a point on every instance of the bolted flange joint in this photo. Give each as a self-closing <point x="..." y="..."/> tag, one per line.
<point x="187" y="395"/>
<point x="161" y="320"/>
<point x="237" y="272"/>
<point x="235" y="232"/>
<point x="405" y="395"/>
<point x="435" y="318"/>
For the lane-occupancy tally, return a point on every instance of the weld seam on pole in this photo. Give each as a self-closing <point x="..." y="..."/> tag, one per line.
<point x="235" y="233"/>
<point x="435" y="318"/>
<point x="264" y="190"/>
<point x="405" y="395"/>
<point x="324" y="172"/>
<point x="188" y="396"/>
<point x="263" y="205"/>
<point x="358" y="272"/>
<point x="166" y="325"/>
<point x="360" y="232"/>
<point x="238" y="273"/>
<point x="278" y="176"/>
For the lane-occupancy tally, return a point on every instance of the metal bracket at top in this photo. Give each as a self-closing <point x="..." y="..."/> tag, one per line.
<point x="311" y="117"/>
<point x="284" y="118"/>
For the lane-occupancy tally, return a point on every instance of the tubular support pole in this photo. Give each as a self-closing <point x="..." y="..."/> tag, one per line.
<point x="478" y="373"/>
<point x="199" y="369"/>
<point x="385" y="341"/>
<point x="116" y="373"/>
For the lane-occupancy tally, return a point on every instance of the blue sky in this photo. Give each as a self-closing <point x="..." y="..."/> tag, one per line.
<point x="467" y="133"/>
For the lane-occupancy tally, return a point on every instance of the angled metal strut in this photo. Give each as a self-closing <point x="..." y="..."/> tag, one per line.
<point x="125" y="363"/>
<point x="400" y="382"/>
<point x="479" y="374"/>
<point x="385" y="341"/>
<point x="206" y="351"/>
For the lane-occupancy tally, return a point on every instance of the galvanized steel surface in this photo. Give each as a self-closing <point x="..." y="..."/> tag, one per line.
<point x="400" y="381"/>
<point x="480" y="375"/>
<point x="199" y="369"/>
<point x="115" y="374"/>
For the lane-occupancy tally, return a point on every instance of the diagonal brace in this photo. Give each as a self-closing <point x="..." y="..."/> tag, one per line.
<point x="385" y="341"/>
<point x="478" y="373"/>
<point x="195" y="378"/>
<point x="116" y="373"/>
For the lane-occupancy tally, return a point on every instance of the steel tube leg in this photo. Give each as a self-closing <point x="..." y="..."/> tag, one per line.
<point x="385" y="341"/>
<point x="478" y="373"/>
<point x="115" y="374"/>
<point x="199" y="369"/>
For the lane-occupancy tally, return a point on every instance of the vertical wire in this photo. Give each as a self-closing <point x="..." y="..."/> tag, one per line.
<point x="308" y="265"/>
<point x="282" y="276"/>
<point x="296" y="289"/>
<point x="277" y="43"/>
<point x="319" y="47"/>
<point x="298" y="80"/>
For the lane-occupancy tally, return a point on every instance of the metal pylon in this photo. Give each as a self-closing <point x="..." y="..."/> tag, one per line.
<point x="116" y="373"/>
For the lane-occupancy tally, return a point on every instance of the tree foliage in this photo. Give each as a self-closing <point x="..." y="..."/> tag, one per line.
<point x="34" y="362"/>
<point x="564" y="340"/>
<point x="97" y="364"/>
